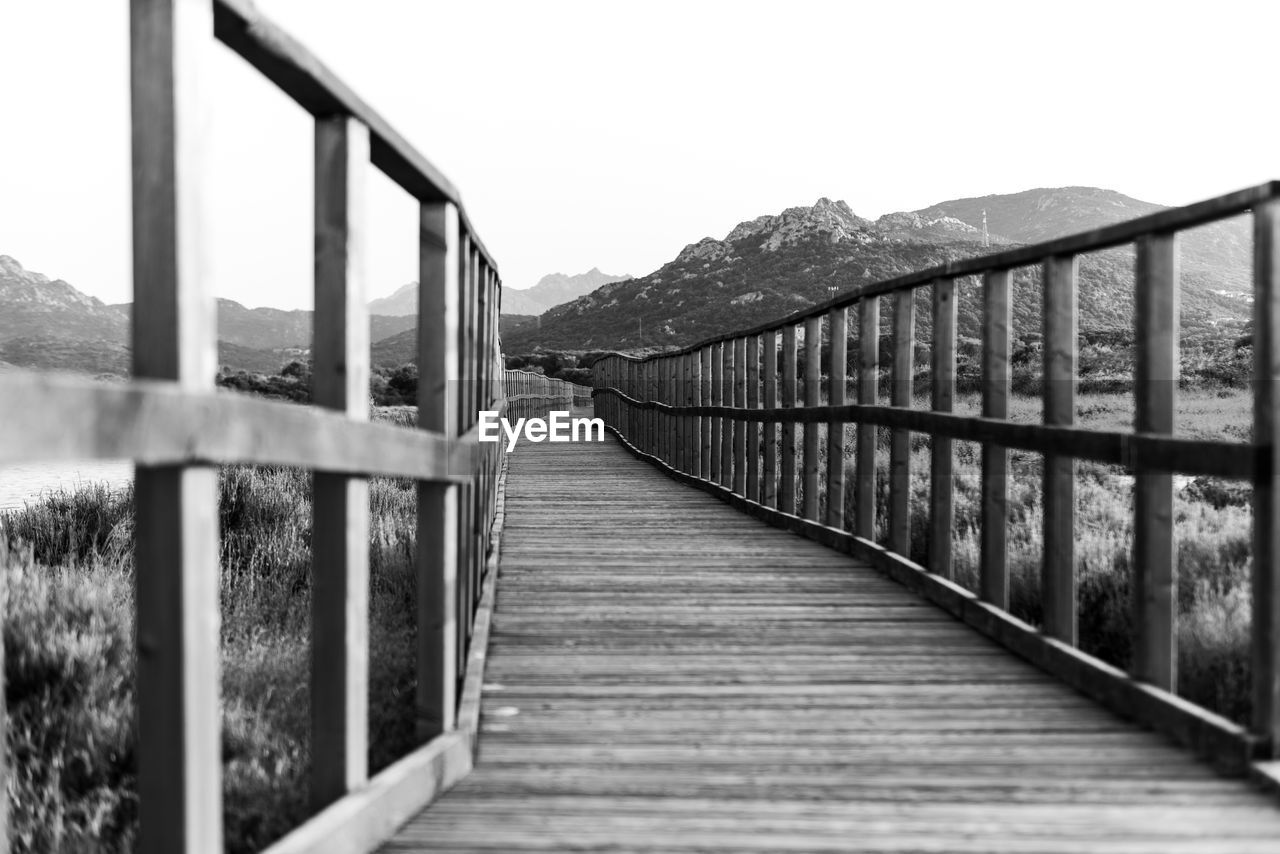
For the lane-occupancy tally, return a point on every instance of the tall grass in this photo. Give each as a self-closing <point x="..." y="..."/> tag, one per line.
<point x="69" y="670"/>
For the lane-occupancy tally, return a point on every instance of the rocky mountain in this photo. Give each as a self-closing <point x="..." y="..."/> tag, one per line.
<point x="773" y="265"/>
<point x="555" y="289"/>
<point x="1220" y="250"/>
<point x="32" y="304"/>
<point x="402" y="303"/>
<point x="551" y="290"/>
<point x="1033" y="216"/>
<point x="402" y="349"/>
<point x="48" y="323"/>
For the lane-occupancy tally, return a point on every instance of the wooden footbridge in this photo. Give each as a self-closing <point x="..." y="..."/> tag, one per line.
<point x="685" y="638"/>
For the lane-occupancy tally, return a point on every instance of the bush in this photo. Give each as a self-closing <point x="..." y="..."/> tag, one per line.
<point x="69" y="657"/>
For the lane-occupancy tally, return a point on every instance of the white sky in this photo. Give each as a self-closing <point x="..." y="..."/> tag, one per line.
<point x="601" y="134"/>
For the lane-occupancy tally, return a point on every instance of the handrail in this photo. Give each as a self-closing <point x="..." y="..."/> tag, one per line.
<point x="694" y="412"/>
<point x="528" y="392"/>
<point x="170" y="420"/>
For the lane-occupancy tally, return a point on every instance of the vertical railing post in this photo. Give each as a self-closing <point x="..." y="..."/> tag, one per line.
<point x="707" y="399"/>
<point x="176" y="535"/>
<point x="787" y="477"/>
<point x="1155" y="389"/>
<point x="838" y="354"/>
<point x="340" y="530"/>
<point x="1266" y="486"/>
<point x="900" y="390"/>
<point x="753" y="427"/>
<point x="769" y="357"/>
<point x="437" y="550"/>
<point x="1057" y="581"/>
<point x="696" y="444"/>
<point x="677" y="421"/>
<point x="688" y="397"/>
<point x="868" y="377"/>
<point x="466" y="398"/>
<point x="997" y="324"/>
<point x="942" y="460"/>
<point x="726" y="427"/>
<point x="812" y="397"/>
<point x="660" y="396"/>
<point x="740" y="426"/>
<point x="717" y="398"/>
<point x="654" y="417"/>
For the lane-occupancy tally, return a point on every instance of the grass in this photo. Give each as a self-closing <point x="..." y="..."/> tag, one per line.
<point x="68" y="636"/>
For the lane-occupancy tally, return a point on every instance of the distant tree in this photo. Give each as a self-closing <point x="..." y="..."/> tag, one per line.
<point x="297" y="370"/>
<point x="404" y="382"/>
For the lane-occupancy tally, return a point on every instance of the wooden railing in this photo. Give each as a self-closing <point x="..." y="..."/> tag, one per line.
<point x="178" y="430"/>
<point x="696" y="412"/>
<point x="529" y="393"/>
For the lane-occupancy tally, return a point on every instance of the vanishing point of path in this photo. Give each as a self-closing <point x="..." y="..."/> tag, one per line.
<point x="667" y="674"/>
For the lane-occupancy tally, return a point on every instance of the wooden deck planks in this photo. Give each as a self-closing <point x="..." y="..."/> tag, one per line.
<point x="666" y="674"/>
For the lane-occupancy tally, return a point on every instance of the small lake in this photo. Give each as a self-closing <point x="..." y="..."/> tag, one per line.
<point x="24" y="483"/>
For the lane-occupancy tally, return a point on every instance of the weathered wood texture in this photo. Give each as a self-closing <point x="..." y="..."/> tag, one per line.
<point x="179" y="780"/>
<point x="340" y="554"/>
<point x="669" y="674"/>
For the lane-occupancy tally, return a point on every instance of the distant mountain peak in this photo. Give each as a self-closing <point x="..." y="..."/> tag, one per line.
<point x="1043" y="213"/>
<point x="402" y="302"/>
<point x="556" y="289"/>
<point x="827" y="220"/>
<point x="19" y="285"/>
<point x="833" y="221"/>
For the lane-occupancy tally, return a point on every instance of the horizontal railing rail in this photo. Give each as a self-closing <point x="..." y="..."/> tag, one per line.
<point x="733" y="415"/>
<point x="177" y="429"/>
<point x="532" y="386"/>
<point x="531" y="393"/>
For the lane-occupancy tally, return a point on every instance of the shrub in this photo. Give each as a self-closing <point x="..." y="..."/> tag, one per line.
<point x="69" y="656"/>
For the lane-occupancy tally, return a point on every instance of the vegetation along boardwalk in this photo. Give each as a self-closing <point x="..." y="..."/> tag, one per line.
<point x="666" y="673"/>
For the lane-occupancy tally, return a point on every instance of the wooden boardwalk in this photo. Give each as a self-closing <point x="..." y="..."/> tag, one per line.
<point x="668" y="674"/>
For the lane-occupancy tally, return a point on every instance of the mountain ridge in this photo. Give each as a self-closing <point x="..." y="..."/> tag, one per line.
<point x="48" y="323"/>
<point x="771" y="266"/>
<point x="551" y="290"/>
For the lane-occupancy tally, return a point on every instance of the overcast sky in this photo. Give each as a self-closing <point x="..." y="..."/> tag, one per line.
<point x="587" y="134"/>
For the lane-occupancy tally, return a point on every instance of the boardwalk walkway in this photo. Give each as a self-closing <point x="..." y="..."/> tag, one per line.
<point x="667" y="674"/>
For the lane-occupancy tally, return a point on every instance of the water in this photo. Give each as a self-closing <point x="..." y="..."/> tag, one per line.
<point x="24" y="483"/>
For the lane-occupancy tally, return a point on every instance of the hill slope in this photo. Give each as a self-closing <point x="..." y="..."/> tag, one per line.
<point x="555" y="289"/>
<point x="48" y="323"/>
<point x="551" y="290"/>
<point x="774" y="265"/>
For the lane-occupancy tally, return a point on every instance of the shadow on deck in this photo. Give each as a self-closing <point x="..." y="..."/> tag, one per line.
<point x="666" y="673"/>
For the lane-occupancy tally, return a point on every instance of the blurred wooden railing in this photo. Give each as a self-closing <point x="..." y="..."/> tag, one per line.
<point x="178" y="430"/>
<point x="711" y="414"/>
<point x="529" y="393"/>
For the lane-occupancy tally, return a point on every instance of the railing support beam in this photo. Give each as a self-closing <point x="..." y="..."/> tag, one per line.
<point x="1155" y="597"/>
<point x="340" y="537"/>
<point x="176" y="536"/>
<point x="1057" y="578"/>
<point x="438" y="515"/>
<point x="838" y="331"/>
<point x="868" y="377"/>
<point x="941" y="456"/>
<point x="904" y="346"/>
<point x="1266" y="487"/>
<point x="997" y="328"/>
